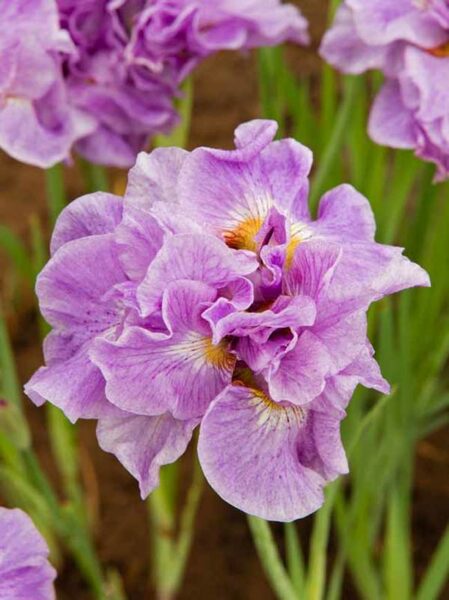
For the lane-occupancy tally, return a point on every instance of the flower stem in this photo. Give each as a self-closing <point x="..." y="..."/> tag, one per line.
<point x="95" y="176"/>
<point x="56" y="197"/>
<point x="295" y="559"/>
<point x="270" y="559"/>
<point x="171" y="549"/>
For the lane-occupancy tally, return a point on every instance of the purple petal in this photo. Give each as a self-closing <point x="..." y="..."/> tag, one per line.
<point x="391" y="122"/>
<point x="140" y="238"/>
<point x="231" y="192"/>
<point x="75" y="385"/>
<point x="154" y="177"/>
<point x="312" y="269"/>
<point x="144" y="444"/>
<point x="363" y="370"/>
<point x="294" y="313"/>
<point x="150" y="374"/>
<point x="192" y="257"/>
<point x="25" y="571"/>
<point x="343" y="47"/>
<point x="382" y="22"/>
<point x="344" y="214"/>
<point x="73" y="285"/>
<point x="301" y="376"/>
<point x="267" y="459"/>
<point x="93" y="214"/>
<point x="23" y="136"/>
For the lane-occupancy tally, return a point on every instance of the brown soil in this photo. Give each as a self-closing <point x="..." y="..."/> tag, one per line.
<point x="223" y="565"/>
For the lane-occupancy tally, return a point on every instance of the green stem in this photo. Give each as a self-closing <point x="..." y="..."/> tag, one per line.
<point x="56" y="197"/>
<point x="270" y="559"/>
<point x="171" y="550"/>
<point x="295" y="559"/>
<point x="316" y="576"/>
<point x="185" y="538"/>
<point x="95" y="176"/>
<point x="335" y="142"/>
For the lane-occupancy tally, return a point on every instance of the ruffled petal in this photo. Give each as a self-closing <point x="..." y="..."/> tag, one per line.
<point x="231" y="192"/>
<point x="345" y="214"/>
<point x="363" y="370"/>
<point x="301" y="376"/>
<point x="343" y="47"/>
<point x="93" y="214"/>
<point x="75" y="385"/>
<point x="267" y="459"/>
<point x="379" y="22"/>
<point x="150" y="374"/>
<point x="23" y="136"/>
<point x="140" y="238"/>
<point x="285" y="313"/>
<point x="144" y="444"/>
<point x="192" y="257"/>
<point x="154" y="178"/>
<point x="74" y="285"/>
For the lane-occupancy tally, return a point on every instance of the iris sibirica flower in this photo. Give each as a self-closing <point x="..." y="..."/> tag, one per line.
<point x="409" y="41"/>
<point x="100" y="76"/>
<point x="210" y="297"/>
<point x="24" y="568"/>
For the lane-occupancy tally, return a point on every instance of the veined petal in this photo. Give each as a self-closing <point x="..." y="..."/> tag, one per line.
<point x="301" y="376"/>
<point x="150" y="374"/>
<point x="193" y="257"/>
<point x="253" y="136"/>
<point x="140" y="238"/>
<point x="25" y="571"/>
<point x="232" y="192"/>
<point x="265" y="458"/>
<point x="73" y="287"/>
<point x="345" y="214"/>
<point x="93" y="214"/>
<point x="144" y="444"/>
<point x="363" y="370"/>
<point x="154" y="178"/>
<point x="311" y="269"/>
<point x="75" y="385"/>
<point x="266" y="356"/>
<point x="285" y="313"/>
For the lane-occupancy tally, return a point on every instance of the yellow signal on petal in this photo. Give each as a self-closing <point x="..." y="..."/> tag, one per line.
<point x="440" y="51"/>
<point x="218" y="355"/>
<point x="298" y="233"/>
<point x="242" y="236"/>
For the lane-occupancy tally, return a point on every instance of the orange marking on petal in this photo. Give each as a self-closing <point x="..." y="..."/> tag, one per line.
<point x="218" y="355"/>
<point x="440" y="51"/>
<point x="242" y="237"/>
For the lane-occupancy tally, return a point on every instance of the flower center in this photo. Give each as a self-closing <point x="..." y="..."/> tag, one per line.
<point x="242" y="236"/>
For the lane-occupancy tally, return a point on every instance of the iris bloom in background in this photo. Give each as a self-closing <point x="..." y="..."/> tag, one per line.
<point x="409" y="41"/>
<point x="24" y="568"/>
<point x="100" y="76"/>
<point x="210" y="297"/>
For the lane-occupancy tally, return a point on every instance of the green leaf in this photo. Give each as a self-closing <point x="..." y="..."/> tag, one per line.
<point x="17" y="252"/>
<point x="270" y="559"/>
<point x="437" y="573"/>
